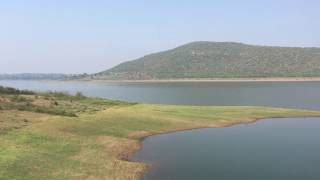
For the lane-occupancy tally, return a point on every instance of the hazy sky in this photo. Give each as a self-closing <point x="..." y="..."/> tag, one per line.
<point x="76" y="36"/>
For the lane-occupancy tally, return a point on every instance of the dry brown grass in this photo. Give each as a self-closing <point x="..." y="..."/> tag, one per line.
<point x="13" y="119"/>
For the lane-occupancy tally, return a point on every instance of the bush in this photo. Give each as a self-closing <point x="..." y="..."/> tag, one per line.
<point x="63" y="95"/>
<point x="79" y="95"/>
<point x="17" y="98"/>
<point x="54" y="112"/>
<point x="10" y="90"/>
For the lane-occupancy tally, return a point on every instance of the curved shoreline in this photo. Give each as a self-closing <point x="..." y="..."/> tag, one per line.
<point x="141" y="139"/>
<point x="99" y="142"/>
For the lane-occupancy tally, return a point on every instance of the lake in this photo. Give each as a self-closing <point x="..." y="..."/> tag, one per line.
<point x="275" y="149"/>
<point x="277" y="94"/>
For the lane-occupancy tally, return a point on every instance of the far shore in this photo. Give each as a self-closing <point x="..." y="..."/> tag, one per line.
<point x="267" y="79"/>
<point x="272" y="79"/>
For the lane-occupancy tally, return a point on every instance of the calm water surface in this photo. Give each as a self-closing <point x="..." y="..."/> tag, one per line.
<point x="277" y="94"/>
<point x="277" y="149"/>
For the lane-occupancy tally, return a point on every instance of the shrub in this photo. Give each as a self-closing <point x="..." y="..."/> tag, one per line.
<point x="10" y="90"/>
<point x="17" y="98"/>
<point x="79" y="95"/>
<point x="54" y="111"/>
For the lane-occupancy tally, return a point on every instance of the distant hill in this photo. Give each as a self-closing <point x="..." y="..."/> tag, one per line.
<point x="219" y="60"/>
<point x="39" y="76"/>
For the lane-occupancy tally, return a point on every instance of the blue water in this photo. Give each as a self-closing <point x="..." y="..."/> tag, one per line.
<point x="276" y="149"/>
<point x="277" y="94"/>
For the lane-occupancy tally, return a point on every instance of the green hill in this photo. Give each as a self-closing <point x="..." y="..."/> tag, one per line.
<point x="219" y="60"/>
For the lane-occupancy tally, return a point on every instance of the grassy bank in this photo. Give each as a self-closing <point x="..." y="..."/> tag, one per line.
<point x="93" y="137"/>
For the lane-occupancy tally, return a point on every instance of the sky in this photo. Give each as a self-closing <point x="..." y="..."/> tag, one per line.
<point x="88" y="36"/>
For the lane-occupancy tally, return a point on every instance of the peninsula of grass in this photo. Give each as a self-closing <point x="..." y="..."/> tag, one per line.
<point x="76" y="137"/>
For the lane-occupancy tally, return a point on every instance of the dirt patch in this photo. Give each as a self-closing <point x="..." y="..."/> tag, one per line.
<point x="4" y="100"/>
<point x="12" y="119"/>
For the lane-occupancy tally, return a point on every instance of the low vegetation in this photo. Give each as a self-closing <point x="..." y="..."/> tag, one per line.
<point x="53" y="103"/>
<point x="95" y="137"/>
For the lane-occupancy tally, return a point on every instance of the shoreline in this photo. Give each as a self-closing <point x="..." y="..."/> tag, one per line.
<point x="140" y="140"/>
<point x="267" y="79"/>
<point x="258" y="79"/>
<point x="100" y="142"/>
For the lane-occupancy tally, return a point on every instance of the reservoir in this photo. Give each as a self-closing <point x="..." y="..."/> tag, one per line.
<point x="277" y="149"/>
<point x="276" y="94"/>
